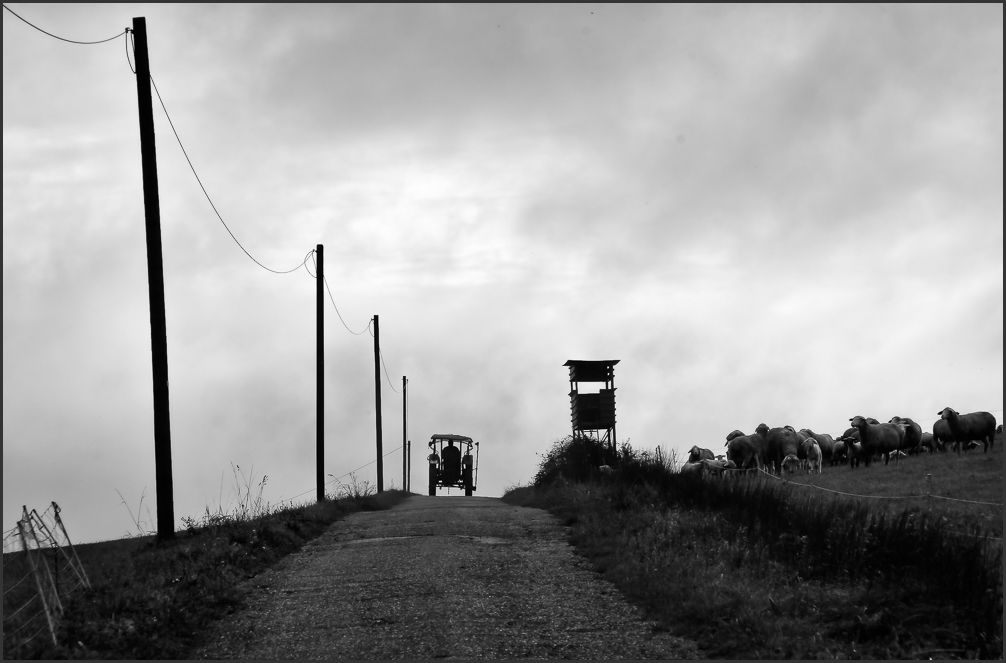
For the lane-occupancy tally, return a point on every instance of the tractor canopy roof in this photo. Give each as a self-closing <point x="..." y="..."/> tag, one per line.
<point x="450" y="436"/>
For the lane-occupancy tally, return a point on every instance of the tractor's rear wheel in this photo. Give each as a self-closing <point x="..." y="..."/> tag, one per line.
<point x="433" y="481"/>
<point x="468" y="482"/>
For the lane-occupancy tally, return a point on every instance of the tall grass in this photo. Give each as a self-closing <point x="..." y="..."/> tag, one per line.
<point x="756" y="569"/>
<point x="152" y="599"/>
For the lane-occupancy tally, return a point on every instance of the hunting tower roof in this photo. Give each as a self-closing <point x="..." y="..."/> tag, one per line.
<point x="584" y="370"/>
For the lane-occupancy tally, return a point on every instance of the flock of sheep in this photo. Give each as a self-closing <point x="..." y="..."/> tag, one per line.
<point x="785" y="449"/>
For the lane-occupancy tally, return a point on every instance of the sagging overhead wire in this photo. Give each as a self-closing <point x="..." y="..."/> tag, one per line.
<point x="185" y="153"/>
<point x="386" y="376"/>
<point x="307" y="256"/>
<point x="332" y="299"/>
<point x="335" y="478"/>
<point x="210" y="200"/>
<point x="130" y="42"/>
<point x="69" y="41"/>
<point x="370" y="324"/>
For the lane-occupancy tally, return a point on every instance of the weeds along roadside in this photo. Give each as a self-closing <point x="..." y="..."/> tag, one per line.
<point x="753" y="569"/>
<point x="152" y="599"/>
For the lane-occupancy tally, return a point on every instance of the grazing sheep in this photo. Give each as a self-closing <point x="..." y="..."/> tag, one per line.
<point x="928" y="442"/>
<point x="979" y="426"/>
<point x="854" y="449"/>
<point x="911" y="432"/>
<point x="878" y="438"/>
<point x="840" y="453"/>
<point x="747" y="451"/>
<point x="734" y="433"/>
<point x="790" y="464"/>
<point x="695" y="454"/>
<point x="717" y="467"/>
<point x="692" y="468"/>
<point x="814" y="458"/>
<point x="942" y="435"/>
<point x="781" y="444"/>
<point x="825" y="441"/>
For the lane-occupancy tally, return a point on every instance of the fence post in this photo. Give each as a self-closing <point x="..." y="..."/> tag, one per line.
<point x="79" y="568"/>
<point x="38" y="581"/>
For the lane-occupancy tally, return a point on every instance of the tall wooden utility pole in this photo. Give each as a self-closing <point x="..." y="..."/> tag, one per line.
<point x="405" y="431"/>
<point x="155" y="281"/>
<point x="320" y="405"/>
<point x="377" y="392"/>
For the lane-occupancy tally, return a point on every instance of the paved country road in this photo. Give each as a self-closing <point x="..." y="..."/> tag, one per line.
<point x="438" y="577"/>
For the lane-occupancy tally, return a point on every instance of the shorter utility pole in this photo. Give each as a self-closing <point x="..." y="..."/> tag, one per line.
<point x="320" y="368"/>
<point x="405" y="432"/>
<point x="377" y="393"/>
<point x="408" y="454"/>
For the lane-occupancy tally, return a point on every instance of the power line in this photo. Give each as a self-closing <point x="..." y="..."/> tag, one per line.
<point x="335" y="478"/>
<point x="359" y="333"/>
<point x="205" y="193"/>
<point x="332" y="299"/>
<point x="363" y="466"/>
<point x="387" y="377"/>
<point x="129" y="40"/>
<point x="69" y="41"/>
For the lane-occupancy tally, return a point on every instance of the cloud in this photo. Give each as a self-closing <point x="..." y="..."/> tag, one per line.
<point x="788" y="215"/>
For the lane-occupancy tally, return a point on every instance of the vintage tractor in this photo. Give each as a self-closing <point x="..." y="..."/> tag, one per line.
<point x="451" y="464"/>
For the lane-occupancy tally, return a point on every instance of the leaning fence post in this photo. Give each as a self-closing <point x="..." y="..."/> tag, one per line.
<point x="929" y="493"/>
<point x="38" y="581"/>
<point x="54" y="545"/>
<point x="33" y="517"/>
<point x="79" y="567"/>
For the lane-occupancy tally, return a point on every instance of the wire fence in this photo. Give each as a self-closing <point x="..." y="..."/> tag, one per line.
<point x="41" y="571"/>
<point x="927" y="495"/>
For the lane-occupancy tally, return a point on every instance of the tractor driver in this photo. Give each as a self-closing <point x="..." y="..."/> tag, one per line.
<point x="452" y="460"/>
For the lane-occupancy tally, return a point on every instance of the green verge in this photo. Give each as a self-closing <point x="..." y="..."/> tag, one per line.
<point x="153" y="599"/>
<point x="757" y="568"/>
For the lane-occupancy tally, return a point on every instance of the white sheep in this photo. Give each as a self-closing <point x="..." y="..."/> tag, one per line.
<point x="814" y="458"/>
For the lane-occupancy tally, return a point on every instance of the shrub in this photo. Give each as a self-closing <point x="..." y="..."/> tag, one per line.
<point x="577" y="459"/>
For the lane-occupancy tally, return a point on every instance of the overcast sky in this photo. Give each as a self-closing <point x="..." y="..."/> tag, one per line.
<point x="789" y="215"/>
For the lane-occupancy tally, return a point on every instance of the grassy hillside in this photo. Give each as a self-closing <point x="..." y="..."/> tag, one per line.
<point x="762" y="568"/>
<point x="151" y="599"/>
<point x="971" y="477"/>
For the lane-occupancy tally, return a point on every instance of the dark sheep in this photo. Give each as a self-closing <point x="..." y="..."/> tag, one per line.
<point x="928" y="442"/>
<point x="912" y="439"/>
<point x="941" y="434"/>
<point x="783" y="447"/>
<point x="695" y="454"/>
<point x="825" y="441"/>
<point x="839" y="453"/>
<point x="878" y="438"/>
<point x="747" y="451"/>
<point x="979" y="426"/>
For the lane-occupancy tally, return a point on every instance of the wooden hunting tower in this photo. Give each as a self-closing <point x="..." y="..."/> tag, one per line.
<point x="595" y="411"/>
